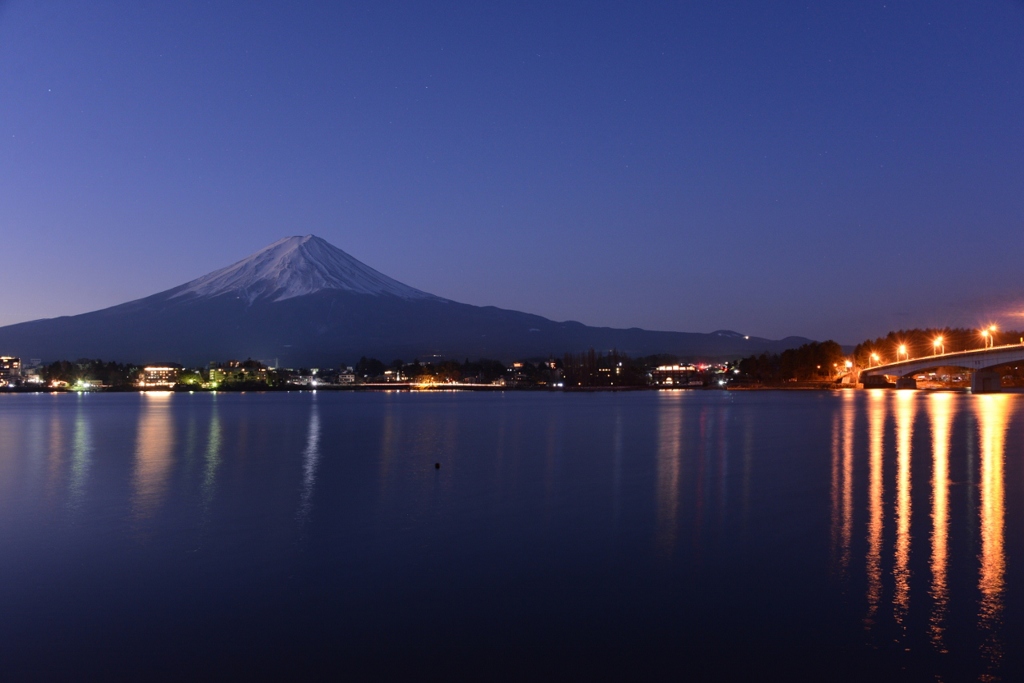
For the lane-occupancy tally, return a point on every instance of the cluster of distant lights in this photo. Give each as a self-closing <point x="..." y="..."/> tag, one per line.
<point x="938" y="344"/>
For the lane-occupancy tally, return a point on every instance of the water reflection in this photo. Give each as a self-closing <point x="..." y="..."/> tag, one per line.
<point x="723" y="466"/>
<point x="153" y="453"/>
<point x="700" y="477"/>
<point x="390" y="435"/>
<point x="617" y="456"/>
<point x="836" y="482"/>
<point x="992" y="411"/>
<point x="81" y="457"/>
<point x="213" y="455"/>
<point x="55" y="455"/>
<point x="191" y="439"/>
<point x="310" y="460"/>
<point x="552" y="461"/>
<point x="876" y="424"/>
<point x="849" y="412"/>
<point x="842" y="482"/>
<point x="926" y="564"/>
<point x="670" y="424"/>
<point x="748" y="459"/>
<point x="987" y="425"/>
<point x="940" y="413"/>
<point x="23" y="450"/>
<point x="906" y="404"/>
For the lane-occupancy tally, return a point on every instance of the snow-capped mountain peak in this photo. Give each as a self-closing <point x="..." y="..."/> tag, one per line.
<point x="296" y="266"/>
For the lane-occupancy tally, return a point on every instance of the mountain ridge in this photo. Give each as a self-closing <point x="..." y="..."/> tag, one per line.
<point x="307" y="303"/>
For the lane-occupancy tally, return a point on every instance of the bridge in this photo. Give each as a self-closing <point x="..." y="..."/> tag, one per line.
<point x="978" y="361"/>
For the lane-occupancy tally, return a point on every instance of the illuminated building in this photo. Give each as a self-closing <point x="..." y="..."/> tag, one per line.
<point x="10" y="369"/>
<point x="394" y="375"/>
<point x="673" y="375"/>
<point x="159" y="376"/>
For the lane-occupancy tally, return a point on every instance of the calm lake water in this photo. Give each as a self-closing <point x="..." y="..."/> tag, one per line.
<point x="715" y="535"/>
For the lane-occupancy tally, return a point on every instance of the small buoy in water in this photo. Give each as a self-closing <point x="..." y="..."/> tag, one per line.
<point x="437" y="465"/>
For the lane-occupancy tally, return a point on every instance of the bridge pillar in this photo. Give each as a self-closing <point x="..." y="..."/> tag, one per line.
<point x="877" y="382"/>
<point x="906" y="383"/>
<point x="985" y="382"/>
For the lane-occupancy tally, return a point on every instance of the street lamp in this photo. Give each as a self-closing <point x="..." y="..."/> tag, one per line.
<point x="940" y="347"/>
<point x="874" y="358"/>
<point x="985" y="334"/>
<point x="902" y="351"/>
<point x="992" y="335"/>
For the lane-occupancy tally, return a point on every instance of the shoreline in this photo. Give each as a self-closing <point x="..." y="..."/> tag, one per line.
<point x="481" y="389"/>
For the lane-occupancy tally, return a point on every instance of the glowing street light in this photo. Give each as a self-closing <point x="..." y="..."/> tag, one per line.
<point x="940" y="347"/>
<point x="987" y="336"/>
<point x="849" y="365"/>
<point x="902" y="351"/>
<point x="874" y="359"/>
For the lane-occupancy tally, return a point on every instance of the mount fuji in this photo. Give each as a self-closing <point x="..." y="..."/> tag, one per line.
<point x="304" y="302"/>
<point x="293" y="267"/>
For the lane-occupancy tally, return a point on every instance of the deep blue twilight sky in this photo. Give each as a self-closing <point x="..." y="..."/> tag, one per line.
<point x="831" y="169"/>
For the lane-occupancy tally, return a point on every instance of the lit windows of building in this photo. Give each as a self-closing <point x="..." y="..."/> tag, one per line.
<point x="346" y="375"/>
<point x="673" y="375"/>
<point x="164" y="376"/>
<point x="10" y="367"/>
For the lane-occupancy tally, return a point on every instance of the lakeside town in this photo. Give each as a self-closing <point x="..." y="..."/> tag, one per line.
<point x="612" y="370"/>
<point x="820" y="365"/>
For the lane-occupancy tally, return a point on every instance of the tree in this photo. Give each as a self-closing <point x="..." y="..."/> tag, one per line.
<point x="369" y="367"/>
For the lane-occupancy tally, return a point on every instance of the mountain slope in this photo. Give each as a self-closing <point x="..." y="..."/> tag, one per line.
<point x="302" y="301"/>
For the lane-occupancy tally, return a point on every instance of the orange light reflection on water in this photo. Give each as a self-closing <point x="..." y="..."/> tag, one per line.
<point x="876" y="425"/>
<point x="835" y="487"/>
<point x="940" y="413"/>
<point x="849" y="413"/>
<point x="153" y="448"/>
<point x="842" y="482"/>
<point x="906" y="406"/>
<point x="993" y="415"/>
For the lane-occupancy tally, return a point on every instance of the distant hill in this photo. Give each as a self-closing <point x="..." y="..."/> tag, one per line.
<point x="304" y="302"/>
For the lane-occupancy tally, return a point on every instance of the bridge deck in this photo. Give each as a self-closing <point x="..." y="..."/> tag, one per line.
<point x="974" y="359"/>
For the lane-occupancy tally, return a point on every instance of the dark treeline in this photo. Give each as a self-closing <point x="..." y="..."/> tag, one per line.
<point x="483" y="371"/>
<point x="816" y="361"/>
<point x="592" y="369"/>
<point x="111" y="374"/>
<point x="921" y="342"/>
